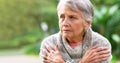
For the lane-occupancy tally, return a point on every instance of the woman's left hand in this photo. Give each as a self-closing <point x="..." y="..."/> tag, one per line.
<point x="52" y="55"/>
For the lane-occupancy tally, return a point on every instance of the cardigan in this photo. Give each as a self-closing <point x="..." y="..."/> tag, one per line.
<point x="71" y="55"/>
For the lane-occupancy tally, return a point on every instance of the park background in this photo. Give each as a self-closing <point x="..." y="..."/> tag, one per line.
<point x="24" y="23"/>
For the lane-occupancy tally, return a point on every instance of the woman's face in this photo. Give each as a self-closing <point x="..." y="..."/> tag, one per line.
<point x="71" y="23"/>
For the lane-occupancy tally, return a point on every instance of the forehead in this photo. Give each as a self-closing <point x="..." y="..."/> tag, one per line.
<point x="66" y="9"/>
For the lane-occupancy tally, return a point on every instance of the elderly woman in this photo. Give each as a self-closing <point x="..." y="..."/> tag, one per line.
<point x="76" y="42"/>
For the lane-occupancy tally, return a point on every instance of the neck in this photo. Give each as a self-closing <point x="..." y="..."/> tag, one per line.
<point x="75" y="43"/>
<point x="76" y="39"/>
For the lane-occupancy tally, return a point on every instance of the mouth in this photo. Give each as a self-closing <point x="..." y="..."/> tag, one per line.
<point x="66" y="30"/>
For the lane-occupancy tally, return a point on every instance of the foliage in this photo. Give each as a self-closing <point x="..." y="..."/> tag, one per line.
<point x="33" y="49"/>
<point x="25" y="39"/>
<point x="17" y="17"/>
<point x="105" y="2"/>
<point x="107" y="22"/>
<point x="20" y="22"/>
<point x="114" y="59"/>
<point x="49" y="16"/>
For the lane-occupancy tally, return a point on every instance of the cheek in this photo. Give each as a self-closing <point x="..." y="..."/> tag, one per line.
<point x="60" y="26"/>
<point x="78" y="27"/>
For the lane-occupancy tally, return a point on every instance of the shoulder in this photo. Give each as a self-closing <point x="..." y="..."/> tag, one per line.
<point x="51" y="40"/>
<point x="97" y="36"/>
<point x="100" y="40"/>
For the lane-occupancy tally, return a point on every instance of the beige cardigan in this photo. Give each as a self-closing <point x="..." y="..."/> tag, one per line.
<point x="70" y="55"/>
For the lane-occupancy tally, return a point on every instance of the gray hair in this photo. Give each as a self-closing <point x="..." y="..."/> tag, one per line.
<point x="85" y="6"/>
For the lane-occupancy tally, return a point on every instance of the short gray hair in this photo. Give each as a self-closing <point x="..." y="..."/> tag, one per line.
<point x="85" y="6"/>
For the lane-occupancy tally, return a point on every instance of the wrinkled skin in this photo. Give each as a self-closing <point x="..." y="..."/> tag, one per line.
<point x="72" y="26"/>
<point x="52" y="55"/>
<point x="93" y="55"/>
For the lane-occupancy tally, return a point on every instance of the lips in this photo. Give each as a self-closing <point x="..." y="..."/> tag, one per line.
<point x="66" y="30"/>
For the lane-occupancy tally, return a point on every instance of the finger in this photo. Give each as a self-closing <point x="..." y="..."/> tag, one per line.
<point x="99" y="58"/>
<point x="45" y="51"/>
<point x="95" y="59"/>
<point x="104" y="56"/>
<point x="99" y="49"/>
<point x="56" y="51"/>
<point x="102" y="49"/>
<point x="48" y="47"/>
<point x="94" y="47"/>
<point x="94" y="54"/>
<point x="104" y="52"/>
<point x="46" y="61"/>
<point x="92" y="50"/>
<point x="56" y="47"/>
<point x="44" y="57"/>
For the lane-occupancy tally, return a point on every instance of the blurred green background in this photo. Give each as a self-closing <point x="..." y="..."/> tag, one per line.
<point x="24" y="23"/>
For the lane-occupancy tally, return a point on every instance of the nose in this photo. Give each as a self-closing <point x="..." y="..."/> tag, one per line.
<point x="65" y="22"/>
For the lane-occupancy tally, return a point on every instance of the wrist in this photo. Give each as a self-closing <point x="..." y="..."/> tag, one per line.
<point x="82" y="61"/>
<point x="62" y="61"/>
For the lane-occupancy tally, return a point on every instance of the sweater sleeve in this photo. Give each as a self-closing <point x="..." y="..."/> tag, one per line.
<point x="102" y="42"/>
<point x="41" y="50"/>
<point x="50" y="40"/>
<point x="108" y="45"/>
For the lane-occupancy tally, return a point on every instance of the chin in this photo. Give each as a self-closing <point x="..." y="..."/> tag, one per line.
<point x="66" y="35"/>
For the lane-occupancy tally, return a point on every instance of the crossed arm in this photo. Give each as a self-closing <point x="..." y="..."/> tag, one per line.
<point x="93" y="55"/>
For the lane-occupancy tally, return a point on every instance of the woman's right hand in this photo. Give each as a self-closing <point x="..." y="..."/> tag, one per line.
<point x="95" y="55"/>
<point x="53" y="55"/>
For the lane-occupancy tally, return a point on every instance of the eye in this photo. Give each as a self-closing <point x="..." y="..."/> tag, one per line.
<point x="72" y="17"/>
<point x="62" y="16"/>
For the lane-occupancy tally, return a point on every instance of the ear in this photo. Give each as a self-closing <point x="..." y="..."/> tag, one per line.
<point x="87" y="24"/>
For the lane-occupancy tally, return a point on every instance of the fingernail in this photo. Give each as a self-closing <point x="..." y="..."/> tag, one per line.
<point x="57" y="45"/>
